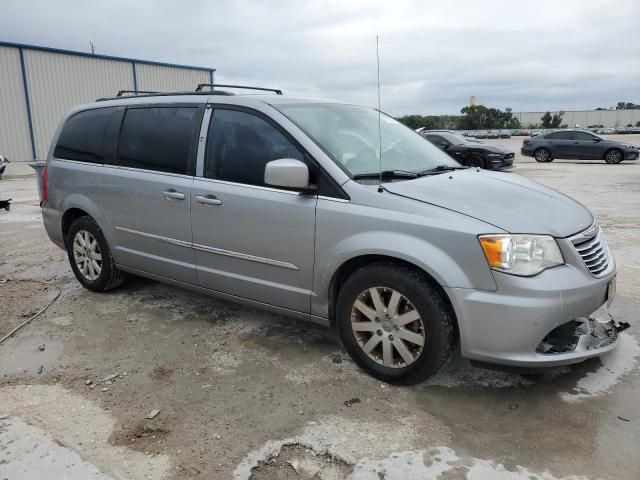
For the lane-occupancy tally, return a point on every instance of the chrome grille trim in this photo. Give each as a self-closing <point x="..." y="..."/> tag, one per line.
<point x="593" y="249"/>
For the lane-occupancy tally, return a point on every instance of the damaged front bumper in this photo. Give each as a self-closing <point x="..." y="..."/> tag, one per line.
<point x="581" y="335"/>
<point x="537" y="322"/>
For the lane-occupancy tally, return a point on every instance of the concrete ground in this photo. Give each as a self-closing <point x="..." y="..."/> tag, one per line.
<point x="244" y="393"/>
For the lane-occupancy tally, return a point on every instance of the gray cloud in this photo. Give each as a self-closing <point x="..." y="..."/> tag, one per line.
<point x="543" y="55"/>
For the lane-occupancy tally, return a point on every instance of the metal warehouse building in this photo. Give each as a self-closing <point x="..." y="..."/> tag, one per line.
<point x="38" y="85"/>
<point x="584" y="118"/>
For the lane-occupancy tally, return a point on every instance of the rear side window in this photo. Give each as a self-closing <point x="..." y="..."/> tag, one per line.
<point x="240" y="145"/>
<point x="561" y="136"/>
<point x="583" y="137"/>
<point x="83" y="137"/>
<point x="162" y="139"/>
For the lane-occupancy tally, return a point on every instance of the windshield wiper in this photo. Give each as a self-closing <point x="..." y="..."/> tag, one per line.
<point x="440" y="169"/>
<point x="386" y="174"/>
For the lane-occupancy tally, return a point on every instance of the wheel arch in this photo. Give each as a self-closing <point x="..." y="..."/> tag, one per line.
<point x="350" y="266"/>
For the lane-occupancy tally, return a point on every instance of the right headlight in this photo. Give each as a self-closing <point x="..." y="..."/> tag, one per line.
<point x="523" y="255"/>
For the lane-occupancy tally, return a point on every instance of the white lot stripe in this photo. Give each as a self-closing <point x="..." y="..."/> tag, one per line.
<point x="620" y="361"/>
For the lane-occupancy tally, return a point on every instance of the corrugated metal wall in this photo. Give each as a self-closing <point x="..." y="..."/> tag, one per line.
<point x="57" y="80"/>
<point x="168" y="79"/>
<point x="15" y="141"/>
<point x="584" y="118"/>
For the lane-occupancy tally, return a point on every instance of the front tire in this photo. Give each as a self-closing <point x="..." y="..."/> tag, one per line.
<point x="90" y="256"/>
<point x="395" y="325"/>
<point x="613" y="156"/>
<point x="542" y="155"/>
<point x="476" y="161"/>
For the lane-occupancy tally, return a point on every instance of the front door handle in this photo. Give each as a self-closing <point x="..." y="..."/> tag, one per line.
<point x="208" y="199"/>
<point x="173" y="194"/>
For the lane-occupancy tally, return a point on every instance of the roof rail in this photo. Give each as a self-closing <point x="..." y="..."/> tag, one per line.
<point x="213" y="85"/>
<point x="141" y="93"/>
<point x="134" y="92"/>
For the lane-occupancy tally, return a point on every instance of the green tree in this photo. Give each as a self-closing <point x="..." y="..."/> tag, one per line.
<point x="551" y="121"/>
<point x="479" y="117"/>
<point x="638" y="123"/>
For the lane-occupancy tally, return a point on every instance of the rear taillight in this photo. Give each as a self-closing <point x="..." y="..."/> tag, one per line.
<point x="45" y="172"/>
<point x="526" y="142"/>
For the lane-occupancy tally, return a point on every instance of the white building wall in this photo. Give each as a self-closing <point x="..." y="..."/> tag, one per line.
<point x="584" y="118"/>
<point x="58" y="82"/>
<point x="168" y="79"/>
<point x="15" y="140"/>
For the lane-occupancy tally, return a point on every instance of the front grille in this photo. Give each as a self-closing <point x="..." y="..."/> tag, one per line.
<point x="594" y="250"/>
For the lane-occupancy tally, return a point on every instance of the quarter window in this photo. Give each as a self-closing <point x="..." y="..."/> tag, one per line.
<point x="162" y="139"/>
<point x="240" y="145"/>
<point x="83" y="137"/>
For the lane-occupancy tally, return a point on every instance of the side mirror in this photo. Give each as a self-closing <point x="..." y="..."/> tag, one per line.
<point x="444" y="145"/>
<point x="596" y="139"/>
<point x="287" y="173"/>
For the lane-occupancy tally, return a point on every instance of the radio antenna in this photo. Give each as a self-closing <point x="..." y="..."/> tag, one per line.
<point x="380" y="189"/>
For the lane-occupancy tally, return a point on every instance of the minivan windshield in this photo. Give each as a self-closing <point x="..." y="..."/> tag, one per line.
<point x="349" y="134"/>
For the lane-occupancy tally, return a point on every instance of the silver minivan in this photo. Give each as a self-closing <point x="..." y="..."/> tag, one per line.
<point x="332" y="213"/>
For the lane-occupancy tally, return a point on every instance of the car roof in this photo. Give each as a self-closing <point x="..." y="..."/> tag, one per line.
<point x="247" y="100"/>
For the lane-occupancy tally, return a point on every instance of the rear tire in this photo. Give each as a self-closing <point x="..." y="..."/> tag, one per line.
<point x="408" y="337"/>
<point x="542" y="155"/>
<point x="90" y="256"/>
<point x="613" y="156"/>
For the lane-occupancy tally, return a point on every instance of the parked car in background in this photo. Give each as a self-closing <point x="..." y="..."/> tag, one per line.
<point x="473" y="154"/>
<point x="481" y="134"/>
<point x="504" y="133"/>
<point x="579" y="145"/>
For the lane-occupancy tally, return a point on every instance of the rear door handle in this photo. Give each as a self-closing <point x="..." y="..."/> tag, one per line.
<point x="208" y="199"/>
<point x="173" y="194"/>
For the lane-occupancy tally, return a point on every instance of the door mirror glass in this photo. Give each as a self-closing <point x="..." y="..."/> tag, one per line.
<point x="444" y="145"/>
<point x="287" y="173"/>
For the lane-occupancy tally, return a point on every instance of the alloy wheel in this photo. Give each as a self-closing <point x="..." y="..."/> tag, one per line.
<point x="613" y="156"/>
<point x="387" y="327"/>
<point x="542" y="155"/>
<point x="87" y="255"/>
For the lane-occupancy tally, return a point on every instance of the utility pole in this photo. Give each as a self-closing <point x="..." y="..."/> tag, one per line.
<point x="93" y="47"/>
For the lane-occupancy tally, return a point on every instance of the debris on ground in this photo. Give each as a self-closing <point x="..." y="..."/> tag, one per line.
<point x="351" y="402"/>
<point x="623" y="419"/>
<point x="41" y="347"/>
<point x="88" y="381"/>
<point x="41" y="369"/>
<point x="109" y="378"/>
<point x="513" y="406"/>
<point x="152" y="414"/>
<point x="298" y="461"/>
<point x="337" y="359"/>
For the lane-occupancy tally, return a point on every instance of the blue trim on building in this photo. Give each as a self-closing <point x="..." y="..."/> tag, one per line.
<point x="28" y="103"/>
<point x="103" y="57"/>
<point x="135" y="77"/>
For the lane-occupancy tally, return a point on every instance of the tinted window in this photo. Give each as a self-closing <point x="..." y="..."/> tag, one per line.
<point x="436" y="139"/>
<point x="83" y="136"/>
<point x="240" y="145"/>
<point x="159" y="138"/>
<point x="583" y="137"/>
<point x="561" y="136"/>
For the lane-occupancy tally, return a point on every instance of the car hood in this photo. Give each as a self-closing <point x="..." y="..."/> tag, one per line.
<point x="507" y="201"/>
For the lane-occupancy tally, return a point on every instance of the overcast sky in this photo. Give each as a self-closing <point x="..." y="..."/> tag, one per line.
<point x="532" y="55"/>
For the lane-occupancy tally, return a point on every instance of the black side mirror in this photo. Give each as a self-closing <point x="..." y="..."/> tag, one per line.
<point x="444" y="145"/>
<point x="596" y="139"/>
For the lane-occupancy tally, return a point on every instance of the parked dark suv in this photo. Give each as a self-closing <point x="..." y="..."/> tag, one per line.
<point x="579" y="145"/>
<point x="471" y="153"/>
